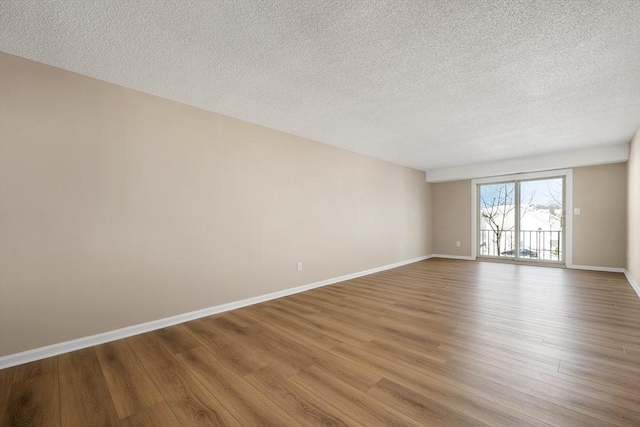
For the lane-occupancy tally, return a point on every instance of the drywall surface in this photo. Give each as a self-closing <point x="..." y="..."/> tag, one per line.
<point x="119" y="207"/>
<point x="633" y="209"/>
<point x="600" y="231"/>
<point x="451" y="204"/>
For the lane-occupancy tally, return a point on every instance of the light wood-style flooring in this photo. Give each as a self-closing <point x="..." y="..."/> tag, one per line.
<point x="435" y="343"/>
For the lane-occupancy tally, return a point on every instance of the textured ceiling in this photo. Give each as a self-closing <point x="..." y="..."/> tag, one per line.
<point x="427" y="84"/>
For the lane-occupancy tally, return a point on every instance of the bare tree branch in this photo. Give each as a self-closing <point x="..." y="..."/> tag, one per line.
<point x="497" y="210"/>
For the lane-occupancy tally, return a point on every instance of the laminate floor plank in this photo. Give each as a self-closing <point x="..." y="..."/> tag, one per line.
<point x="239" y="317"/>
<point x="497" y="355"/>
<point x="605" y="411"/>
<point x="37" y="368"/>
<point x="215" y="341"/>
<point x="380" y="327"/>
<point x="356" y="374"/>
<point x="158" y="415"/>
<point x="410" y="354"/>
<point x="607" y="349"/>
<point x="175" y="339"/>
<point x="84" y="394"/>
<point x="437" y="342"/>
<point x="438" y="383"/>
<point x="130" y="386"/>
<point x="421" y="408"/>
<point x="6" y="381"/>
<point x="459" y="318"/>
<point x="246" y="404"/>
<point x="629" y="383"/>
<point x="358" y="404"/>
<point x="338" y="333"/>
<point x="34" y="401"/>
<point x="632" y="352"/>
<point x="317" y="299"/>
<point x="277" y="358"/>
<point x="421" y="378"/>
<point x="499" y="334"/>
<point x="570" y="383"/>
<point x="281" y="325"/>
<point x="267" y="345"/>
<point x="553" y="349"/>
<point x="287" y="303"/>
<point x="191" y="403"/>
<point x="302" y="405"/>
<point x="623" y="330"/>
<point x="517" y="324"/>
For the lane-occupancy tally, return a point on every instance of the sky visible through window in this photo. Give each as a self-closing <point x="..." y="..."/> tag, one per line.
<point x="544" y="192"/>
<point x="536" y="233"/>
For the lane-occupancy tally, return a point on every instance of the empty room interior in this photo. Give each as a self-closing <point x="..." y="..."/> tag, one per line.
<point x="319" y="213"/>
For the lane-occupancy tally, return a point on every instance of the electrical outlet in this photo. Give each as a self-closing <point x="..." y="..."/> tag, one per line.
<point x="458" y="243"/>
<point x="576" y="211"/>
<point x="401" y="248"/>
<point x="299" y="266"/>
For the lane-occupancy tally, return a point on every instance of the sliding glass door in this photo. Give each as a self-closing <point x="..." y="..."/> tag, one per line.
<point x="522" y="219"/>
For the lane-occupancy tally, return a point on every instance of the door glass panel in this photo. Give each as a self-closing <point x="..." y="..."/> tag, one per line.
<point x="497" y="219"/>
<point x="541" y="219"/>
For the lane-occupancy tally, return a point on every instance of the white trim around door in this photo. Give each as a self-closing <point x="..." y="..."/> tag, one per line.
<point x="568" y="176"/>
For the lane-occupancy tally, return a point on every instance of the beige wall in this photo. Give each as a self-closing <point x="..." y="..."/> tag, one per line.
<point x="600" y="192"/>
<point x="633" y="209"/>
<point x="119" y="207"/>
<point x="600" y="231"/>
<point x="451" y="203"/>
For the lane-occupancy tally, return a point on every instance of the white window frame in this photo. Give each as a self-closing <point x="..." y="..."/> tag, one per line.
<point x="568" y="179"/>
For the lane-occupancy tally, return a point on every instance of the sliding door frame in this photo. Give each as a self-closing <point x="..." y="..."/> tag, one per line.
<point x="567" y="174"/>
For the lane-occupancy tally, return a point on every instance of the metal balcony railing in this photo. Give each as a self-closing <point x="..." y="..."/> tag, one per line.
<point x="534" y="244"/>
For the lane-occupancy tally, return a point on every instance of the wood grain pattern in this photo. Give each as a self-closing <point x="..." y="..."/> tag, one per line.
<point x="596" y="408"/>
<point x="419" y="406"/>
<point x="222" y="347"/>
<point x="175" y="339"/>
<point x="84" y="395"/>
<point x="254" y="341"/>
<point x="155" y="416"/>
<point x="189" y="400"/>
<point x="247" y="405"/>
<point x="349" y="400"/>
<point x="130" y="386"/>
<point x="437" y="383"/>
<point x="34" y="402"/>
<point x="6" y="381"/>
<point x="35" y="369"/>
<point x="302" y="405"/>
<point x="439" y="342"/>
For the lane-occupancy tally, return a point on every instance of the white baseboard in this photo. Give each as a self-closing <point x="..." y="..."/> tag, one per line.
<point x="632" y="281"/>
<point x="597" y="268"/>
<point x="465" y="257"/>
<point x="80" y="343"/>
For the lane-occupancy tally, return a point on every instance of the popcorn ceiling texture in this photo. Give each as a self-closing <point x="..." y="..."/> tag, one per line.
<point x="426" y="84"/>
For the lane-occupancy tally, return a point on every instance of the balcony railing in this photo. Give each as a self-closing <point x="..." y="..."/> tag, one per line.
<point x="534" y="244"/>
